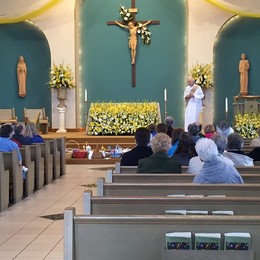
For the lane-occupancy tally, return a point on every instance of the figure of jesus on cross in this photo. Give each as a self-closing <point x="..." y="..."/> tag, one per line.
<point x="134" y="26"/>
<point x="133" y="36"/>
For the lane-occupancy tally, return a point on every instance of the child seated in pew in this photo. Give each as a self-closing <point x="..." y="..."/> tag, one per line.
<point x="214" y="170"/>
<point x="32" y="133"/>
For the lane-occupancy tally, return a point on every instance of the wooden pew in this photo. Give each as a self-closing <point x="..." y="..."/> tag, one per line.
<point x="4" y="185"/>
<point x="127" y="237"/>
<point x="165" y="178"/>
<point x="62" y="149"/>
<point x="132" y="169"/>
<point x="61" y="146"/>
<point x="11" y="164"/>
<point x="56" y="158"/>
<point x="48" y="161"/>
<point x="30" y="175"/>
<point x="156" y="205"/>
<point x="38" y="160"/>
<point x="162" y="189"/>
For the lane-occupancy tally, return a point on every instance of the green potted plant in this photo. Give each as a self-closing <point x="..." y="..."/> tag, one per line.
<point x="61" y="79"/>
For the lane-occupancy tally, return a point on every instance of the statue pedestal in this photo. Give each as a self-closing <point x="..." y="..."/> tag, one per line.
<point x="61" y="111"/>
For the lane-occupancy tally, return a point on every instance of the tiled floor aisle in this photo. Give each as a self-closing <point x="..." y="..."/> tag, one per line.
<point x="26" y="235"/>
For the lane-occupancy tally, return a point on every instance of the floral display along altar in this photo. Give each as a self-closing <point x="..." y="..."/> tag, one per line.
<point x="121" y="118"/>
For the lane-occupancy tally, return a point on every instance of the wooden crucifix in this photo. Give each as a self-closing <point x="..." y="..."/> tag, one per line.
<point x="133" y="35"/>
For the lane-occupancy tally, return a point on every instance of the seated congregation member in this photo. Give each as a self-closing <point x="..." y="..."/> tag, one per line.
<point x="175" y="140"/>
<point x="196" y="164"/>
<point x="224" y="128"/>
<point x="209" y="130"/>
<point x="18" y="135"/>
<point x="169" y="121"/>
<point x="185" y="150"/>
<point x="235" y="153"/>
<point x="32" y="132"/>
<point x="195" y="130"/>
<point x="159" y="161"/>
<point x="255" y="154"/>
<point x="256" y="141"/>
<point x="142" y="150"/>
<point x="6" y="144"/>
<point x="214" y="170"/>
<point x="161" y="128"/>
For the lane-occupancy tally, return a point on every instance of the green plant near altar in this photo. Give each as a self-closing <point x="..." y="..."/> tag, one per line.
<point x="203" y="75"/>
<point x="247" y="124"/>
<point x="121" y="118"/>
<point x="142" y="30"/>
<point x="61" y="77"/>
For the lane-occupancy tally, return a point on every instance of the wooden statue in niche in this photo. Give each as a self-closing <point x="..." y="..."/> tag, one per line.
<point x="243" y="70"/>
<point x="21" y="76"/>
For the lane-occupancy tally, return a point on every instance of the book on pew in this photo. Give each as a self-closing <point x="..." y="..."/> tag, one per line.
<point x="176" y="195"/>
<point x="216" y="196"/>
<point x="207" y="241"/>
<point x="223" y="212"/>
<point x="178" y="241"/>
<point x="175" y="212"/>
<point x="197" y="212"/>
<point x="237" y="241"/>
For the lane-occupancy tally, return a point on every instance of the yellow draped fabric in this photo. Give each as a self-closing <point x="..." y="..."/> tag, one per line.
<point x="31" y="14"/>
<point x="235" y="9"/>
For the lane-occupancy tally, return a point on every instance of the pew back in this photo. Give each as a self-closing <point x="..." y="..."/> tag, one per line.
<point x="165" y="178"/>
<point x="142" y="237"/>
<point x="4" y="185"/>
<point x="11" y="164"/>
<point x="156" y="205"/>
<point x="163" y="189"/>
<point x="240" y="169"/>
<point x="30" y="175"/>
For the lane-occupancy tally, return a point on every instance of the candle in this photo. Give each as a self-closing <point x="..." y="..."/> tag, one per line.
<point x="165" y="94"/>
<point x="226" y="104"/>
<point x="86" y="95"/>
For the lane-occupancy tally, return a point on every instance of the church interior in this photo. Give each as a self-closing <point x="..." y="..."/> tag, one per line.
<point x="84" y="38"/>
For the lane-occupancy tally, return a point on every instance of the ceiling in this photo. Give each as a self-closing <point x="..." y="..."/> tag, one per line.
<point x="28" y="9"/>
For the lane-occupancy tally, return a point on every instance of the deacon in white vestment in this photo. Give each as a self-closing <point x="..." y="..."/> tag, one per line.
<point x="193" y="96"/>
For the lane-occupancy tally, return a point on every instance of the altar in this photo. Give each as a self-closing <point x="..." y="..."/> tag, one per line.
<point x="121" y="118"/>
<point x="246" y="104"/>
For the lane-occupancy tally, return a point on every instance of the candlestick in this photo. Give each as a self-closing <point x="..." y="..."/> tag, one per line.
<point x="86" y="95"/>
<point x="165" y="94"/>
<point x="226" y="104"/>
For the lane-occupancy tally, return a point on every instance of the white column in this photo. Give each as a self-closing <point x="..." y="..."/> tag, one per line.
<point x="61" y="111"/>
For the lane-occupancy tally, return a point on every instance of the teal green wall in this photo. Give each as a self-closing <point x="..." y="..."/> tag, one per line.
<point x="105" y="56"/>
<point x="24" y="39"/>
<point x="239" y="35"/>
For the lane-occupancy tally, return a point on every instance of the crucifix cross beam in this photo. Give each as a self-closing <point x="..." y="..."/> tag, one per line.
<point x="133" y="37"/>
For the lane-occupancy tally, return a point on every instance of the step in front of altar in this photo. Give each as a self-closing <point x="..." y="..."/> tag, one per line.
<point x="92" y="161"/>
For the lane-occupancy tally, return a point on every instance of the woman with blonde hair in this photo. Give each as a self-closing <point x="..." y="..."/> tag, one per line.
<point x="159" y="161"/>
<point x="32" y="132"/>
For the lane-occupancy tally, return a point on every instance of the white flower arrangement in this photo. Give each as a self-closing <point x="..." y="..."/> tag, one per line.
<point x="61" y="77"/>
<point x="143" y="31"/>
<point x="126" y="16"/>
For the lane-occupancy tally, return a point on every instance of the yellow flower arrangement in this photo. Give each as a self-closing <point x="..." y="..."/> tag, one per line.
<point x="61" y="77"/>
<point x="203" y="75"/>
<point x="247" y="124"/>
<point x="121" y="118"/>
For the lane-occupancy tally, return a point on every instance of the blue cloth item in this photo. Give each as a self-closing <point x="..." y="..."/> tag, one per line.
<point x="7" y="145"/>
<point x="217" y="171"/>
<point x="173" y="149"/>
